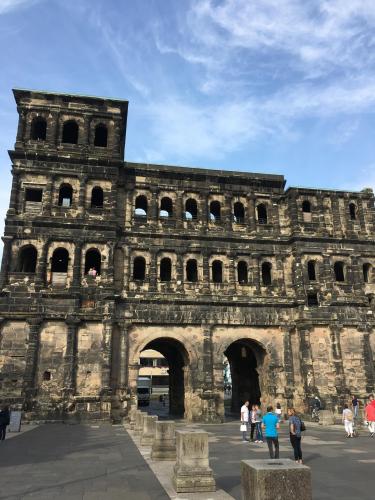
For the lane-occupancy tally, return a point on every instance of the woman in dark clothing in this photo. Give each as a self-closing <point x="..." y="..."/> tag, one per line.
<point x="295" y="434"/>
<point x="4" y="421"/>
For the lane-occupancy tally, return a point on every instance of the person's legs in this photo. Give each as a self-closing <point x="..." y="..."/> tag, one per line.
<point x="350" y="428"/>
<point x="270" y="446"/>
<point x="2" y="432"/>
<point x="259" y="431"/>
<point x="276" y="443"/>
<point x="293" y="441"/>
<point x="244" y="433"/>
<point x="346" y="425"/>
<point x="252" y="432"/>
<point x="299" y="449"/>
<point x="371" y="427"/>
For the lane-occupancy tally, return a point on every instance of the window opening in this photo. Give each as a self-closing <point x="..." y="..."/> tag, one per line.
<point x="38" y="129"/>
<point x="239" y="213"/>
<point x="97" y="197"/>
<point x="311" y="270"/>
<point x="47" y="376"/>
<point x="192" y="271"/>
<point x="191" y="210"/>
<point x="60" y="260"/>
<point x="217" y="271"/>
<point x="65" y="195"/>
<point x="139" y="269"/>
<point x="166" y="207"/>
<point x="101" y="136"/>
<point x="306" y="207"/>
<point x="242" y="272"/>
<point x="266" y="273"/>
<point x="165" y="269"/>
<point x="215" y="211"/>
<point x="312" y="299"/>
<point x="352" y="211"/>
<point x="366" y="268"/>
<point x="141" y="206"/>
<point x="262" y="214"/>
<point x="27" y="259"/>
<point x="93" y="262"/>
<point x="70" y="132"/>
<point x="339" y="271"/>
<point x="34" y="195"/>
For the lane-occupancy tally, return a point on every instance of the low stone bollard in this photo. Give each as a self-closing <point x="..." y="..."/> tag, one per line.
<point x="270" y="479"/>
<point x="138" y="427"/>
<point x="164" y="445"/>
<point x="192" y="473"/>
<point x="326" y="417"/>
<point x="148" y="433"/>
<point x="132" y="416"/>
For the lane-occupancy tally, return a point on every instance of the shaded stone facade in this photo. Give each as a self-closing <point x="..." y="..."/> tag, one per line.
<point x="197" y="264"/>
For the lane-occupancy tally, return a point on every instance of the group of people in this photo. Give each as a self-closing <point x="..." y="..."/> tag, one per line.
<point x="350" y="415"/>
<point x="268" y="425"/>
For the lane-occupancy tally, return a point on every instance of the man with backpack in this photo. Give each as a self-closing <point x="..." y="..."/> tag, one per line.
<point x="296" y="426"/>
<point x="4" y="421"/>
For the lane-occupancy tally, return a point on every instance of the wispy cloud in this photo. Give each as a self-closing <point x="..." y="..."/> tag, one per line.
<point x="9" y="5"/>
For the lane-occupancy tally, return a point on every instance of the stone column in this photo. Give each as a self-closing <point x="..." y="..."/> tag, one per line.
<point x="298" y="279"/>
<point x="206" y="272"/>
<point x="164" y="444"/>
<point x="208" y="396"/>
<point x="179" y="209"/>
<point x="31" y="361"/>
<point x="110" y="265"/>
<point x="13" y="202"/>
<point x="6" y="260"/>
<point x="179" y="271"/>
<point x="153" y="272"/>
<point x="82" y="195"/>
<point x="368" y="360"/>
<point x="251" y="213"/>
<point x="307" y="367"/>
<point x="340" y="384"/>
<point x="148" y="431"/>
<point x="255" y="272"/>
<point x="336" y="216"/>
<point x="76" y="282"/>
<point x="138" y="428"/>
<point x="49" y="195"/>
<point x="154" y="207"/>
<point x="192" y="473"/>
<point x="288" y="366"/>
<point x="106" y="357"/>
<point x="70" y="360"/>
<point x="293" y="214"/>
<point x="42" y="266"/>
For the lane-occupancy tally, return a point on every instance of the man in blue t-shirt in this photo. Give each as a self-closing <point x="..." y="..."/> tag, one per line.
<point x="270" y="425"/>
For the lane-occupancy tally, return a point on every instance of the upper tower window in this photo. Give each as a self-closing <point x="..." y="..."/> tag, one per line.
<point x="191" y="271"/>
<point x="97" y="197"/>
<point x="242" y="272"/>
<point x="306" y="207"/>
<point x="27" y="259"/>
<point x="191" y="211"/>
<point x="101" y="136"/>
<point x="366" y="269"/>
<point x="165" y="269"/>
<point x="239" y="213"/>
<point x="140" y="206"/>
<point x="339" y="271"/>
<point x="65" y="195"/>
<point x="38" y="129"/>
<point x="352" y="211"/>
<point x="262" y="214"/>
<point x="311" y="270"/>
<point x="217" y="271"/>
<point x="70" y="132"/>
<point x="215" y="211"/>
<point x="266" y="273"/>
<point x="166" y="207"/>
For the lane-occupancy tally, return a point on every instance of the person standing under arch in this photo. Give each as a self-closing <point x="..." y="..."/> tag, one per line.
<point x="244" y="420"/>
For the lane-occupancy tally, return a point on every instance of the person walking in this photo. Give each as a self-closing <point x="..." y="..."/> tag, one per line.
<point x="278" y="411"/>
<point x="244" y="420"/>
<point x="271" y="425"/>
<point x="347" y="418"/>
<point x="252" y="419"/>
<point x="4" y="421"/>
<point x="258" y="425"/>
<point x="355" y="405"/>
<point x="370" y="415"/>
<point x="295" y="434"/>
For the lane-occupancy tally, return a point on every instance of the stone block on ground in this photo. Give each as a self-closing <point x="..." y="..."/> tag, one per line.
<point x="278" y="479"/>
<point x="192" y="473"/>
<point x="164" y="445"/>
<point x="148" y="432"/>
<point x="138" y="427"/>
<point x="326" y="417"/>
<point x="132" y="415"/>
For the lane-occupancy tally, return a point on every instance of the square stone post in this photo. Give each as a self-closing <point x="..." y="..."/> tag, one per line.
<point x="148" y="433"/>
<point x="164" y="444"/>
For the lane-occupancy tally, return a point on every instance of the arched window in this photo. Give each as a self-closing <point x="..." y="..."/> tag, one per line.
<point x="139" y="269"/>
<point x="217" y="271"/>
<point x="93" y="262"/>
<point x="38" y="129"/>
<point x="65" y="195"/>
<point x="70" y="132"/>
<point x="239" y="213"/>
<point x="311" y="270"/>
<point x="266" y="273"/>
<point x="366" y="268"/>
<point x="166" y="207"/>
<point x="192" y="271"/>
<point x="339" y="271"/>
<point x="262" y="214"/>
<point x="215" y="211"/>
<point x="306" y="207"/>
<point x="141" y="206"/>
<point x="165" y="269"/>
<point x="27" y="258"/>
<point x="242" y="272"/>
<point x="97" y="197"/>
<point x="60" y="260"/>
<point x="101" y="136"/>
<point x="352" y="211"/>
<point x="191" y="210"/>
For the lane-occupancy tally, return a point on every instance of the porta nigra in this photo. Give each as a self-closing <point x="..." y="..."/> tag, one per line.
<point x="197" y="264"/>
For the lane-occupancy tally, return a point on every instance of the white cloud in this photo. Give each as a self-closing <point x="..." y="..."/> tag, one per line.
<point x="8" y="5"/>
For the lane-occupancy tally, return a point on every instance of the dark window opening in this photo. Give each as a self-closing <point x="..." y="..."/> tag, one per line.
<point x="262" y="214"/>
<point x="242" y="272"/>
<point x="47" y="376"/>
<point x="27" y="259"/>
<point x="352" y="211"/>
<point x="93" y="262"/>
<point x="35" y="195"/>
<point x="339" y="271"/>
<point x="217" y="271"/>
<point x="60" y="260"/>
<point x="101" y="136"/>
<point x="366" y="268"/>
<point x="65" y="195"/>
<point x="306" y="207"/>
<point x="238" y="213"/>
<point x="192" y="271"/>
<point x="215" y="211"/>
<point x="139" y="269"/>
<point x="191" y="210"/>
<point x="311" y="270"/>
<point x="97" y="197"/>
<point x="312" y="299"/>
<point x="266" y="273"/>
<point x="70" y="132"/>
<point x="165" y="269"/>
<point x="141" y="206"/>
<point x="38" y="129"/>
<point x="166" y="207"/>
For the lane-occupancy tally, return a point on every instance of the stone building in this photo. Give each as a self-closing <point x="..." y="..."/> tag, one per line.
<point x="196" y="264"/>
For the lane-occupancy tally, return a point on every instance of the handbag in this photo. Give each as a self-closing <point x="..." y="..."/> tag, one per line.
<point x="303" y="426"/>
<point x="243" y="428"/>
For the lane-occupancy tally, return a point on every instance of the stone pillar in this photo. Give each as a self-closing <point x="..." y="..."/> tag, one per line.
<point x="164" y="444"/>
<point x="49" y="195"/>
<point x="368" y="361"/>
<point x="307" y="364"/>
<point x="110" y="264"/>
<point x="288" y="366"/>
<point x="255" y="272"/>
<point x="338" y="402"/>
<point x="132" y="417"/>
<point x="192" y="473"/>
<point x="13" y="202"/>
<point x="208" y="396"/>
<point x="138" y="427"/>
<point x="70" y="360"/>
<point x="31" y="361"/>
<point x="6" y="260"/>
<point x="153" y="272"/>
<point x="299" y="286"/>
<point x="82" y="195"/>
<point x="179" y="271"/>
<point x="76" y="282"/>
<point x="148" y="431"/>
<point x="251" y="213"/>
<point x="261" y="479"/>
<point x="205" y="272"/>
<point x="336" y="216"/>
<point x="41" y="274"/>
<point x="106" y="357"/>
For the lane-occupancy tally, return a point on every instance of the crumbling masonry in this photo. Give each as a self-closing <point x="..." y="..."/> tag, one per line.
<point x="195" y="263"/>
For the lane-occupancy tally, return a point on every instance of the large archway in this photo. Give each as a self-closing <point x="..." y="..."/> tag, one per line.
<point x="245" y="358"/>
<point x="177" y="358"/>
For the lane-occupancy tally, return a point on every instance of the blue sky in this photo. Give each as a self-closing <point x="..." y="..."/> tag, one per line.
<point x="276" y="86"/>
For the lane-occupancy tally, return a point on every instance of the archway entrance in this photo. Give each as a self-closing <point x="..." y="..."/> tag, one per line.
<point x="176" y="357"/>
<point x="244" y="360"/>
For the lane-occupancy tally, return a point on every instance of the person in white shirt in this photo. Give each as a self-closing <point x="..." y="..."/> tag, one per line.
<point x="244" y="419"/>
<point x="347" y="418"/>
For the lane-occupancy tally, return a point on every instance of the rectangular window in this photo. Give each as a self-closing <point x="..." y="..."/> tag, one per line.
<point x="34" y="195"/>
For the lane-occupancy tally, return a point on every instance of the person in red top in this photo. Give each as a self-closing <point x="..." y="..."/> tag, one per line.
<point x="370" y="415"/>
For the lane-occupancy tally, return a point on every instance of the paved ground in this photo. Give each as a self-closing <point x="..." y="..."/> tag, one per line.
<point x="89" y="462"/>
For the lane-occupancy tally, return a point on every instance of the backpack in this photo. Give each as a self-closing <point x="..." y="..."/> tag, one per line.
<point x="303" y="426"/>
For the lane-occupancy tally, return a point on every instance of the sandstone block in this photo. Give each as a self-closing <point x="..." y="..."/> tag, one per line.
<point x="164" y="445"/>
<point x="192" y="473"/>
<point x="138" y="427"/>
<point x="326" y="417"/>
<point x="275" y="480"/>
<point x="148" y="432"/>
